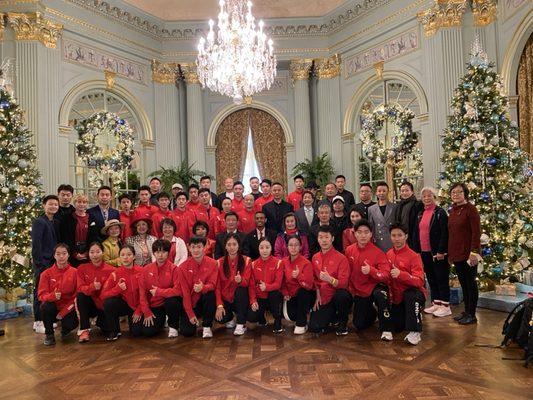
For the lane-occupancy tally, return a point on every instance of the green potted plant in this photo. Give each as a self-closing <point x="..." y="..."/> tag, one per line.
<point x="319" y="169"/>
<point x="184" y="174"/>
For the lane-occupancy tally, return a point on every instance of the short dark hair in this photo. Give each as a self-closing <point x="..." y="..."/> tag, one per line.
<point x="143" y="187"/>
<point x="127" y="246"/>
<point x="254" y="177"/>
<point x="463" y="186"/>
<point x="299" y="176"/>
<point x="297" y="237"/>
<point x="267" y="181"/>
<point x="155" y="178"/>
<point x="97" y="244"/>
<point x="326" y="229"/>
<point x="182" y="193"/>
<point x="204" y="190"/>
<point x="259" y="212"/>
<point x="198" y="240"/>
<point x="340" y="176"/>
<point x="382" y="183"/>
<point x="161" y="245"/>
<point x="399" y="226"/>
<point x="277" y="183"/>
<point x="65" y="187"/>
<point x="193" y="186"/>
<point x="365" y="184"/>
<point x="308" y="192"/>
<point x="230" y="214"/>
<point x="103" y="187"/>
<point x="167" y="221"/>
<point x="62" y="246"/>
<point x="124" y="196"/>
<point x="203" y="224"/>
<point x="404" y="183"/>
<point x="205" y="178"/>
<point x="238" y="183"/>
<point x="362" y="222"/>
<point x="163" y="195"/>
<point x="50" y="197"/>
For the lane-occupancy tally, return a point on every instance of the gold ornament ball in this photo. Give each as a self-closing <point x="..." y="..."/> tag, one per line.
<point x="522" y="239"/>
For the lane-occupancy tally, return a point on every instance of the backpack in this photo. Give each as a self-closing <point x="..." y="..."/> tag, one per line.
<point x="518" y="328"/>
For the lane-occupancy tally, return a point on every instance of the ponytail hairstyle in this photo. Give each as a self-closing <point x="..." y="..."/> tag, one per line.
<point x="240" y="257"/>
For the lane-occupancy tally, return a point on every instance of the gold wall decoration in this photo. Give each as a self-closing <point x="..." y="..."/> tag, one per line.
<point x="300" y="69"/>
<point x="379" y="69"/>
<point x="484" y="11"/>
<point x="327" y="68"/>
<point x="33" y="26"/>
<point x="110" y="77"/>
<point x="2" y="26"/>
<point x="189" y="73"/>
<point x="164" y="72"/>
<point x="443" y="14"/>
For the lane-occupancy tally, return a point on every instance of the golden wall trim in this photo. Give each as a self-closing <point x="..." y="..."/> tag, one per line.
<point x="300" y="69"/>
<point x="327" y="68"/>
<point x="165" y="72"/>
<point x="443" y="14"/>
<point x="2" y="26"/>
<point x="485" y="12"/>
<point x="190" y="73"/>
<point x="110" y="77"/>
<point x="33" y="26"/>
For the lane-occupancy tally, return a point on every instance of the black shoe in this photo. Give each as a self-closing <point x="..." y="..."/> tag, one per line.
<point x="460" y="316"/>
<point x="468" y="320"/>
<point x="278" y="328"/>
<point x="341" y="330"/>
<point x="49" y="340"/>
<point x="2" y="332"/>
<point x="111" y="337"/>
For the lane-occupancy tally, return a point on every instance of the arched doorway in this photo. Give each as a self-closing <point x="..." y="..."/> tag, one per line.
<point x="268" y="143"/>
<point x="524" y="86"/>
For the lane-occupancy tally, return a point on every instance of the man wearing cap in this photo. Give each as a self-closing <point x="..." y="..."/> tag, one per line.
<point x="295" y="198"/>
<point x="176" y="188"/>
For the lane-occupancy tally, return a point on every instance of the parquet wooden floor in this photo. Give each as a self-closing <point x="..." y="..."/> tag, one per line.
<point x="261" y="365"/>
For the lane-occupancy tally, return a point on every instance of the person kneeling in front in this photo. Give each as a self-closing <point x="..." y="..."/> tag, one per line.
<point x="121" y="295"/>
<point x="160" y="292"/>
<point x="198" y="280"/>
<point x="370" y="275"/>
<point x="407" y="285"/>
<point x="57" y="293"/>
<point x="331" y="271"/>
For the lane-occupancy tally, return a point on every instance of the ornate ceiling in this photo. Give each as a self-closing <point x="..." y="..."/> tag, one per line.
<point x="192" y="10"/>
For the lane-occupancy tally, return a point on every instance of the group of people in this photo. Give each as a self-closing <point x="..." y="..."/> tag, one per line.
<point x="188" y="256"/>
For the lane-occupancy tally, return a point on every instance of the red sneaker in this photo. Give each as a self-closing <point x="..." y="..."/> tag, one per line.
<point x="84" y="336"/>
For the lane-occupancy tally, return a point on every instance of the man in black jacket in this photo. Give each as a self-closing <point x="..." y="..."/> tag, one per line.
<point x="251" y="241"/>
<point x="276" y="209"/>
<point x="100" y="214"/>
<point x="349" y="200"/>
<point x="64" y="193"/>
<point x="324" y="218"/>
<point x="205" y="182"/>
<point x="231" y="220"/>
<point x="407" y="210"/>
<point x="365" y="195"/>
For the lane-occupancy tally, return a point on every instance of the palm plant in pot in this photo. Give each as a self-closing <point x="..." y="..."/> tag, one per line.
<point x="319" y="169"/>
<point x="184" y="173"/>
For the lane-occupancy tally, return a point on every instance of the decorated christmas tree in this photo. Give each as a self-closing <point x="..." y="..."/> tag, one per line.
<point x="481" y="149"/>
<point x="20" y="189"/>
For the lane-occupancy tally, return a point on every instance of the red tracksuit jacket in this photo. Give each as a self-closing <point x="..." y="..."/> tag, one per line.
<point x="246" y="220"/>
<point x="305" y="278"/>
<point x="190" y="273"/>
<point x="360" y="284"/>
<point x="165" y="278"/>
<point x="411" y="275"/>
<point x="209" y="216"/>
<point x="159" y="216"/>
<point x="226" y="285"/>
<point x="87" y="273"/>
<point x="59" y="280"/>
<point x="336" y="265"/>
<point x="131" y="295"/>
<point x="126" y="219"/>
<point x="269" y="271"/>
<point x="185" y="221"/>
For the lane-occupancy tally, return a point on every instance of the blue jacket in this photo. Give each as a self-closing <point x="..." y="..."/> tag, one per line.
<point x="44" y="237"/>
<point x="96" y="222"/>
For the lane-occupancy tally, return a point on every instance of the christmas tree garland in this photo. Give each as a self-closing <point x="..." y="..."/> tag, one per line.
<point x="113" y="162"/>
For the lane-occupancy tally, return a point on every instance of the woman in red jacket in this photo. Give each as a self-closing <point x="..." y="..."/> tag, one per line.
<point x="407" y="285"/>
<point x="91" y="278"/>
<point x="234" y="271"/>
<point x="57" y="294"/>
<point x="121" y="295"/>
<point x="298" y="285"/>
<point x="265" y="287"/>
<point x="348" y="236"/>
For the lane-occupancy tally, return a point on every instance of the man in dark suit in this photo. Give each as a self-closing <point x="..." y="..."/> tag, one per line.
<point x="44" y="237"/>
<point x="276" y="209"/>
<point x="365" y="195"/>
<point x="324" y="218"/>
<point x="231" y="219"/>
<point x="100" y="214"/>
<point x="306" y="215"/>
<point x="205" y="182"/>
<point x="251" y="241"/>
<point x="64" y="193"/>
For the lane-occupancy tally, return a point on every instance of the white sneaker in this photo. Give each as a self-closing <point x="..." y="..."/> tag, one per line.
<point x="386" y="336"/>
<point x="172" y="333"/>
<point x="38" y="327"/>
<point x="300" y="330"/>
<point x="432" y="309"/>
<point x="208" y="333"/>
<point x="443" y="311"/>
<point x="231" y="324"/>
<point x="239" y="330"/>
<point x="413" y="337"/>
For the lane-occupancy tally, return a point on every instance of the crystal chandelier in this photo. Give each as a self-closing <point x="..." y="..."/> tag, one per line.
<point x="237" y="60"/>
